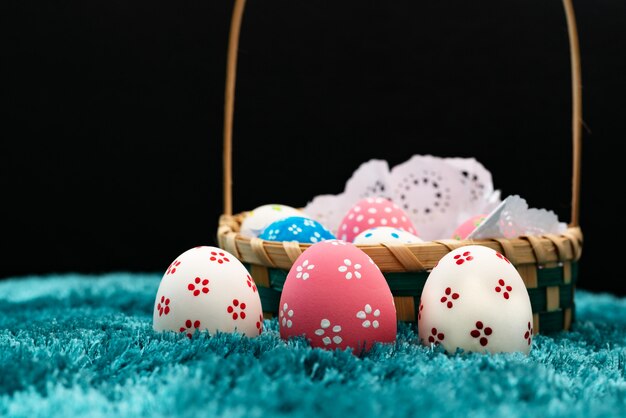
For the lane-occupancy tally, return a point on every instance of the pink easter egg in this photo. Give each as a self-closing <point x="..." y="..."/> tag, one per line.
<point x="336" y="297"/>
<point x="372" y="212"/>
<point x="467" y="227"/>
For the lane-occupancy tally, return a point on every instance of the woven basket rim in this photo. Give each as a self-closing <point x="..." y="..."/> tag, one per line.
<point x="546" y="249"/>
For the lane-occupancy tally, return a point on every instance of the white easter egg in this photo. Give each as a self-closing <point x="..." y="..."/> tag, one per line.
<point x="385" y="234"/>
<point x="208" y="289"/>
<point x="475" y="299"/>
<point x="258" y="219"/>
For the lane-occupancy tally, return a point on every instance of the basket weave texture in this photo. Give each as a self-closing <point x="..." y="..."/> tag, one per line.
<point x="548" y="264"/>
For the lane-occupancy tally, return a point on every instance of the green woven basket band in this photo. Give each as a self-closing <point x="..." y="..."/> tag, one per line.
<point x="411" y="284"/>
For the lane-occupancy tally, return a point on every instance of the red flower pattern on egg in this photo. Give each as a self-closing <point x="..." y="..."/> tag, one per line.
<point x="172" y="268"/>
<point x="449" y="297"/>
<point x="216" y="291"/>
<point x="190" y="327"/>
<point x="163" y="306"/>
<point x="504" y="288"/>
<point x="482" y="333"/>
<point x="251" y="283"/>
<point x="219" y="257"/>
<point x="199" y="286"/>
<point x="462" y="258"/>
<point x="436" y="337"/>
<point x="501" y="257"/>
<point x="528" y="335"/>
<point x="489" y="289"/>
<point x="237" y="310"/>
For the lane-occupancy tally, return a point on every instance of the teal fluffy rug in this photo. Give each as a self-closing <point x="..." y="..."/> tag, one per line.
<point x="77" y="345"/>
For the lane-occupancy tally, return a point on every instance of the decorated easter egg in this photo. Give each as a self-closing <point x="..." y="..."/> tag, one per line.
<point x="336" y="297"/>
<point x="258" y="219"/>
<point x="296" y="228"/>
<point x="385" y="234"/>
<point x="467" y="227"/>
<point x="370" y="212"/>
<point x="207" y="289"/>
<point x="475" y="299"/>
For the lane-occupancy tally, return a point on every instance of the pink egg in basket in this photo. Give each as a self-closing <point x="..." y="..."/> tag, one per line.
<point x="337" y="297"/>
<point x="468" y="226"/>
<point x="371" y="212"/>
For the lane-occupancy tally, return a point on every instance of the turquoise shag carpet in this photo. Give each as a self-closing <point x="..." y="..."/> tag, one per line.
<point x="76" y="345"/>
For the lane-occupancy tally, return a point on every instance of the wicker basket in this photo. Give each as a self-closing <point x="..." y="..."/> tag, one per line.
<point x="547" y="264"/>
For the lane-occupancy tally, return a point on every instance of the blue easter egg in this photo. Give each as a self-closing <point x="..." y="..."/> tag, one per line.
<point x="296" y="228"/>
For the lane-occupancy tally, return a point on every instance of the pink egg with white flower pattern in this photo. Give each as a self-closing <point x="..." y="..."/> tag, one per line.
<point x="475" y="299"/>
<point x="371" y="212"/>
<point x="207" y="289"/>
<point x="336" y="297"/>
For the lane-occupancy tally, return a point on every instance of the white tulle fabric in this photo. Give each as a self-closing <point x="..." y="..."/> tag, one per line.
<point x="513" y="218"/>
<point x="438" y="194"/>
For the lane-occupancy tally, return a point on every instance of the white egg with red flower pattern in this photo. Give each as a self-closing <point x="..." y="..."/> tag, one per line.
<point x="260" y="218"/>
<point x="371" y="212"/>
<point x="475" y="299"/>
<point x="208" y="289"/>
<point x="337" y="297"/>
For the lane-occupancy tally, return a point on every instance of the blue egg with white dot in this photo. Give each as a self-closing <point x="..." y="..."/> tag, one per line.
<point x="385" y="234"/>
<point x="296" y="228"/>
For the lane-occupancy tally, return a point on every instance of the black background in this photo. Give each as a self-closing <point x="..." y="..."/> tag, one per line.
<point x="110" y="154"/>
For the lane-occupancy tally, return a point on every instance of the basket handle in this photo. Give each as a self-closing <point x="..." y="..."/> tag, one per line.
<point x="229" y="103"/>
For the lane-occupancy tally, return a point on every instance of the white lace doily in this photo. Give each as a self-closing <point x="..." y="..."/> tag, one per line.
<point x="513" y="218"/>
<point x="438" y="194"/>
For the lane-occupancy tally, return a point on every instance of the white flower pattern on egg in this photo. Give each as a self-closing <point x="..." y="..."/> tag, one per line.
<point x="367" y="310"/>
<point x="385" y="234"/>
<point x="285" y="316"/>
<point x="303" y="270"/>
<point x="273" y="234"/>
<point x="345" y="271"/>
<point x="349" y="269"/>
<point x="372" y="212"/>
<point x="336" y="242"/>
<point x="298" y="229"/>
<point x="324" y="331"/>
<point x="295" y="229"/>
<point x="316" y="237"/>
